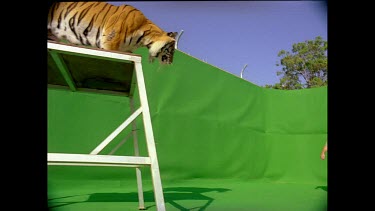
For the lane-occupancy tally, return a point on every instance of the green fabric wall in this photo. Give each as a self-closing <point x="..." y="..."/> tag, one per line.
<point x="207" y="124"/>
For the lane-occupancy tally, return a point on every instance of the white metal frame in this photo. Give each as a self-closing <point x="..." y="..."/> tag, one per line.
<point x="93" y="159"/>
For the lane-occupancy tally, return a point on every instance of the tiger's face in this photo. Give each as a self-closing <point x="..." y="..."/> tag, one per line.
<point x="163" y="49"/>
<point x="166" y="53"/>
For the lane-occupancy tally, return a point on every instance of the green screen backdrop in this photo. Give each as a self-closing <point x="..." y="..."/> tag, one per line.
<point x="208" y="124"/>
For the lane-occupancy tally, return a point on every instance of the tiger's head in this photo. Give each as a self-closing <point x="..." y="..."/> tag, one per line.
<point x="163" y="48"/>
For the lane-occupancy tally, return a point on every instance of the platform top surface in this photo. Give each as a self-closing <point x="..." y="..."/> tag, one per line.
<point x="89" y="69"/>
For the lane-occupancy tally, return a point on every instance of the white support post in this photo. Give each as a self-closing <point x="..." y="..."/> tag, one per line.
<point x="136" y="153"/>
<point x="155" y="173"/>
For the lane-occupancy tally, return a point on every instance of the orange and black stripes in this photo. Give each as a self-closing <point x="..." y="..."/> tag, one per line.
<point x="102" y="25"/>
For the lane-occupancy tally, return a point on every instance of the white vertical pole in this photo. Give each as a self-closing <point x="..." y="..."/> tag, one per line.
<point x="155" y="173"/>
<point x="178" y="38"/>
<point x="243" y="69"/>
<point x="136" y="153"/>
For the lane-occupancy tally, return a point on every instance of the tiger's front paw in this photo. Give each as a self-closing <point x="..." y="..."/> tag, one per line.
<point x="151" y="59"/>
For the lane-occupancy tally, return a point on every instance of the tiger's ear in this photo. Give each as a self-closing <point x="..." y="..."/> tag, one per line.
<point x="172" y="34"/>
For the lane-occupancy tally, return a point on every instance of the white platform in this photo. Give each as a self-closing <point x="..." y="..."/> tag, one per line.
<point x="83" y="69"/>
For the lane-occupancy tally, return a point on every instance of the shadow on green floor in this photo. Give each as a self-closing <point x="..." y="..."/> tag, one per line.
<point x="171" y="195"/>
<point x="322" y="187"/>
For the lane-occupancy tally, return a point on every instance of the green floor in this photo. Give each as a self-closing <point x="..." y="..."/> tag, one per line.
<point x="197" y="194"/>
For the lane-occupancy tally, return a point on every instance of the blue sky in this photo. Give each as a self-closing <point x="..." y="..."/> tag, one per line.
<point x="230" y="34"/>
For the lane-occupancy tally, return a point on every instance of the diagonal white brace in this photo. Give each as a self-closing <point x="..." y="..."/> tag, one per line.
<point x="106" y="141"/>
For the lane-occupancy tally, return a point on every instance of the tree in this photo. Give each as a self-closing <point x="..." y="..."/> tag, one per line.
<point x="304" y="67"/>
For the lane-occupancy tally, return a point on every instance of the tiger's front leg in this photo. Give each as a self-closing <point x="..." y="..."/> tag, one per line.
<point x="151" y="59"/>
<point x="110" y="41"/>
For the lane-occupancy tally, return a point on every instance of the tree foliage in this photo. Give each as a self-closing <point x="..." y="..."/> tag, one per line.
<point x="304" y="67"/>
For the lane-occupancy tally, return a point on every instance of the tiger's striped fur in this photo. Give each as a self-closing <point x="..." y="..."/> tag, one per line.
<point x="110" y="27"/>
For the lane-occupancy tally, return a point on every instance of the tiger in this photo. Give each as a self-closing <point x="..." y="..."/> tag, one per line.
<point x="109" y="27"/>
